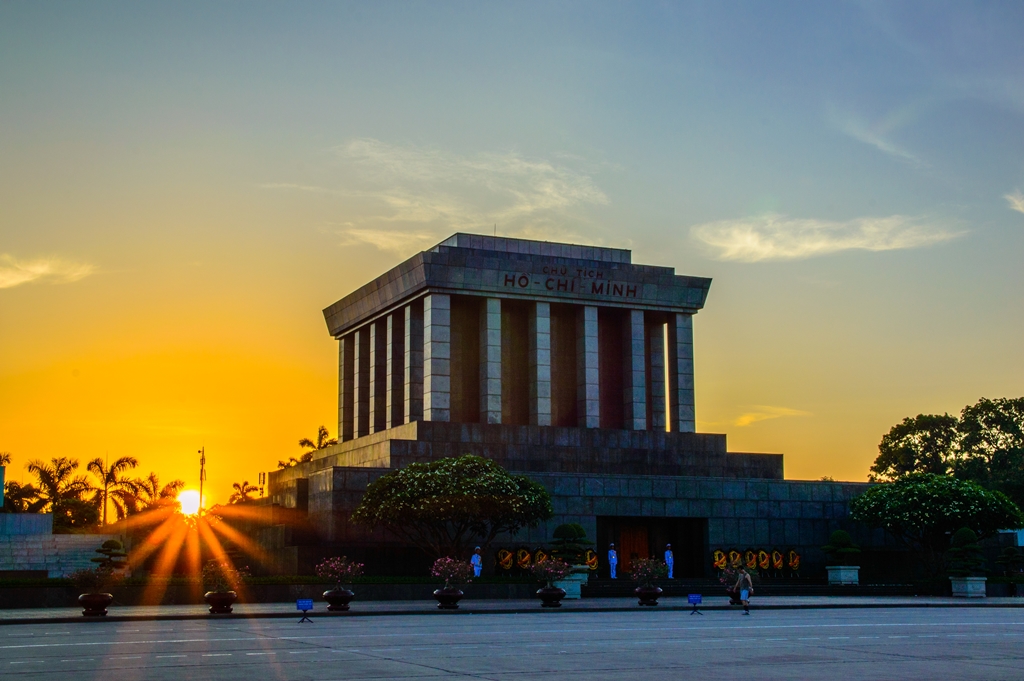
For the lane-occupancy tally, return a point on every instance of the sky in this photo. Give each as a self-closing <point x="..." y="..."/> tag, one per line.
<point x="185" y="186"/>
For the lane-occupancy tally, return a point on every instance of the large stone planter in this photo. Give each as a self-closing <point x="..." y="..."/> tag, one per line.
<point x="95" y="605"/>
<point x="571" y="584"/>
<point x="339" y="599"/>
<point x="551" y="596"/>
<point x="968" y="587"/>
<point x="220" y="601"/>
<point x="843" y="574"/>
<point x="448" y="598"/>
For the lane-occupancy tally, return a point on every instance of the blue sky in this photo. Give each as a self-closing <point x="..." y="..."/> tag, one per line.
<point x="192" y="180"/>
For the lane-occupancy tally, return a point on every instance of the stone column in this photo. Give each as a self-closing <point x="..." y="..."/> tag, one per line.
<point x="361" y="382"/>
<point x="634" y="372"/>
<point x="588" y="395"/>
<point x="437" y="384"/>
<point x="540" y="364"/>
<point x="378" y="376"/>
<point x="395" y="380"/>
<point x="490" y="361"/>
<point x="680" y="376"/>
<point x="346" y="378"/>
<point x="656" y="375"/>
<point x="413" y="361"/>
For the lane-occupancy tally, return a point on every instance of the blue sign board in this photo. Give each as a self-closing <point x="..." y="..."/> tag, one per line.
<point x="694" y="599"/>
<point x="304" y="604"/>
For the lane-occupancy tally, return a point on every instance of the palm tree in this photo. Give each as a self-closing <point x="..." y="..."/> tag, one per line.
<point x="56" y="481"/>
<point x="5" y="458"/>
<point x="242" y="491"/>
<point x="323" y="441"/>
<point x="20" y="498"/>
<point x="113" y="485"/>
<point x="149" y="494"/>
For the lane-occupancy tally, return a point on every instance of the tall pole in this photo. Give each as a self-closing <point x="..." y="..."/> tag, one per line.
<point x="202" y="476"/>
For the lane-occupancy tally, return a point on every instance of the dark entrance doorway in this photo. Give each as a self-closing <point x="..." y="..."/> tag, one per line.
<point x="646" y="538"/>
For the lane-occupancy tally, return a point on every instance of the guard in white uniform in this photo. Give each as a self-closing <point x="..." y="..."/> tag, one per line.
<point x="613" y="560"/>
<point x="477" y="561"/>
<point x="670" y="560"/>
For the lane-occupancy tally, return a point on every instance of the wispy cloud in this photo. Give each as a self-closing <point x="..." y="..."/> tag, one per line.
<point x="879" y="133"/>
<point x="1016" y="201"/>
<point x="14" y="272"/>
<point x="400" y="198"/>
<point x="764" y="413"/>
<point x="777" y="237"/>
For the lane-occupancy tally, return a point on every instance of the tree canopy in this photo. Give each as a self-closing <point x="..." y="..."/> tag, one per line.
<point x="984" y="445"/>
<point x="446" y="506"/>
<point x="923" y="510"/>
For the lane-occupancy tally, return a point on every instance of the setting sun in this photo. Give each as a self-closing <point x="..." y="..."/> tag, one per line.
<point x="189" y="500"/>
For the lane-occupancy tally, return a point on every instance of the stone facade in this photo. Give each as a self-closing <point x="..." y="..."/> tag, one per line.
<point x="567" y="363"/>
<point x="28" y="548"/>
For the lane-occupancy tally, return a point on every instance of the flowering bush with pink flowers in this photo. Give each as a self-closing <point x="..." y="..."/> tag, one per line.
<point x="341" y="570"/>
<point x="452" y="571"/>
<point x="551" y="570"/>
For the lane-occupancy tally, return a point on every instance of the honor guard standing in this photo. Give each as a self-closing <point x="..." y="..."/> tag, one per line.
<point x="670" y="560"/>
<point x="477" y="561"/>
<point x="613" y="560"/>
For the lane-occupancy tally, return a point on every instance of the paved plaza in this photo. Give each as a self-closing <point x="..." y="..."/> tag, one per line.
<point x="905" y="643"/>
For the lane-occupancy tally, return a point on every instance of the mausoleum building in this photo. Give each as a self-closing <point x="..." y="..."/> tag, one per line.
<point x="568" y="363"/>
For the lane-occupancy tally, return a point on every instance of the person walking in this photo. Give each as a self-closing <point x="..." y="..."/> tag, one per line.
<point x="613" y="560"/>
<point x="744" y="588"/>
<point x="477" y="561"/>
<point x="670" y="560"/>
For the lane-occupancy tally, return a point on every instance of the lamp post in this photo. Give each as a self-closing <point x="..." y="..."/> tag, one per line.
<point x="202" y="476"/>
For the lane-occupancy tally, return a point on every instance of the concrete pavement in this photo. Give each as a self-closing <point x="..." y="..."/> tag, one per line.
<point x="857" y="643"/>
<point x="429" y="607"/>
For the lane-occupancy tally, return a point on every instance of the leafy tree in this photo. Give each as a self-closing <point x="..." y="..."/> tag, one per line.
<point x="926" y="443"/>
<point x="20" y="498"/>
<point x="840" y="548"/>
<point x="570" y="543"/>
<point x="57" y="481"/>
<point x="74" y="515"/>
<point x="150" y="494"/>
<point x="112" y="556"/>
<point x="446" y="506"/>
<point x="964" y="558"/>
<point x="323" y="441"/>
<point x="242" y="491"/>
<point x="922" y="510"/>
<point x="113" y="485"/>
<point x="992" y="445"/>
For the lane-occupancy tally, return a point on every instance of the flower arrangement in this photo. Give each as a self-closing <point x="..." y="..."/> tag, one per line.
<point x="220" y="576"/>
<point x="719" y="559"/>
<point x="505" y="558"/>
<point x="341" y="570"/>
<point x="645" y="570"/>
<point x="524" y="559"/>
<point x="452" y="571"/>
<point x="551" y="570"/>
<point x="95" y="580"/>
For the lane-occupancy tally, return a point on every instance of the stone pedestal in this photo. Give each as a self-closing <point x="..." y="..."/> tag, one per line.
<point x="571" y="584"/>
<point x="843" y="574"/>
<point x="968" y="587"/>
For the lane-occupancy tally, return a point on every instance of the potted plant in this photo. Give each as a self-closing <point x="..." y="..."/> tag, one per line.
<point x="644" y="572"/>
<point x="570" y="544"/>
<point x="843" y="555"/>
<point x="342" y="571"/>
<point x="95" y="583"/>
<point x="966" y="565"/>
<point x="452" y="571"/>
<point x="550" y="572"/>
<point x="221" y="579"/>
